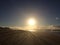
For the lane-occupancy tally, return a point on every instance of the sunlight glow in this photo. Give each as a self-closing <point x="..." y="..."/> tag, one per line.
<point x="31" y="22"/>
<point x="32" y="30"/>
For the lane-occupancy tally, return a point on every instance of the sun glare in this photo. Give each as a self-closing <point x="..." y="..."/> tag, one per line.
<point x="32" y="30"/>
<point x="31" y="22"/>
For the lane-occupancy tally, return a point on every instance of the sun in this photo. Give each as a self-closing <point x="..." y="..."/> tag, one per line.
<point x="31" y="22"/>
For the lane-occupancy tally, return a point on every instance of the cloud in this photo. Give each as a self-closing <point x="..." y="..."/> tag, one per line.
<point x="53" y="27"/>
<point x="16" y="28"/>
<point x="26" y="28"/>
<point x="11" y="27"/>
<point x="49" y="27"/>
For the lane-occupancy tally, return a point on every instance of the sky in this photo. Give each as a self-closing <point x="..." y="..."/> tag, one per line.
<point x="16" y="12"/>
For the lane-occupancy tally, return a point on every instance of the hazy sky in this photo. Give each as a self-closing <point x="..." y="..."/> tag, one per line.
<point x="16" y="12"/>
